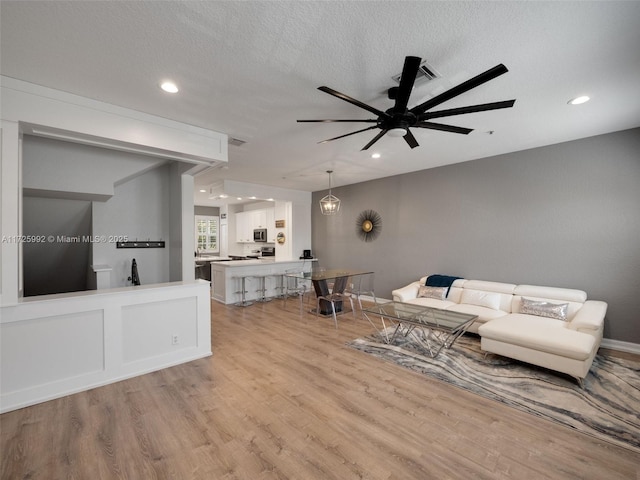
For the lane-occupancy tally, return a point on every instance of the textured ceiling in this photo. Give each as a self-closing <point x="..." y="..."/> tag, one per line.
<point x="250" y="69"/>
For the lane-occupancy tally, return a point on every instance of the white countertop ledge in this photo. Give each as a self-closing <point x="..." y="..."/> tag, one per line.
<point x="252" y="263"/>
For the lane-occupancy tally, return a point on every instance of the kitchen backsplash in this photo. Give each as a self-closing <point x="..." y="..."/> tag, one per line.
<point x="254" y="248"/>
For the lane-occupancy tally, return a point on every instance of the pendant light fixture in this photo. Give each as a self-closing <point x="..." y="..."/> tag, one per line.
<point x="329" y="205"/>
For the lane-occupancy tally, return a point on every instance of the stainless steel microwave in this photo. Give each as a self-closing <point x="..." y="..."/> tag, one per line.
<point x="260" y="235"/>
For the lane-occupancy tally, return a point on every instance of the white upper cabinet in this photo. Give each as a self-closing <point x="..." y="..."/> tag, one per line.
<point x="259" y="218"/>
<point x="247" y="222"/>
<point x="244" y="227"/>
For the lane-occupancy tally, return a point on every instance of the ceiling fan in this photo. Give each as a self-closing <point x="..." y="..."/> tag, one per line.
<point x="397" y="120"/>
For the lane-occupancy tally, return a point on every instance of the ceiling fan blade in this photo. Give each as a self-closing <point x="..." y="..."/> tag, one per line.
<point x="328" y="121"/>
<point x="407" y="79"/>
<point x="375" y="139"/>
<point x="347" y="134"/>
<point x="470" y="109"/>
<point x="411" y="140"/>
<point x="444" y="128"/>
<point x="353" y="101"/>
<point x="460" y="89"/>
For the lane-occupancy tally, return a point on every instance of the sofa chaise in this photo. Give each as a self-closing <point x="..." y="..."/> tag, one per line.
<point x="555" y="328"/>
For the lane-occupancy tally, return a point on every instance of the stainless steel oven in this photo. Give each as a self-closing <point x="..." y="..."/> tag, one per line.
<point x="268" y="251"/>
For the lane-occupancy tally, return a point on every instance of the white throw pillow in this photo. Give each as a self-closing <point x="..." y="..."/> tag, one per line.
<point x="544" y="309"/>
<point x="432" y="292"/>
<point x="482" y="299"/>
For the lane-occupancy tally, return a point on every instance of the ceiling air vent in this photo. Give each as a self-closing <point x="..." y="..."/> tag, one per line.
<point x="425" y="73"/>
<point x="236" y="142"/>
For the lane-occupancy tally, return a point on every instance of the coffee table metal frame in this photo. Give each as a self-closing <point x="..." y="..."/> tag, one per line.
<point x="433" y="328"/>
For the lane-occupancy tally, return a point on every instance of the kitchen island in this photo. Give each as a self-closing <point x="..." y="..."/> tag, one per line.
<point x="226" y="283"/>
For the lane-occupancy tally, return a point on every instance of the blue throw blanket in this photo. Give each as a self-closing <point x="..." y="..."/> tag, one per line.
<point x="441" y="281"/>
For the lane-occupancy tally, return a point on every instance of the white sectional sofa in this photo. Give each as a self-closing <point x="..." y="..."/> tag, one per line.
<point x="555" y="328"/>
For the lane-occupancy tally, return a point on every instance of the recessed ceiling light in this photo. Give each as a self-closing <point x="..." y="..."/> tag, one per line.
<point x="375" y="155"/>
<point x="269" y="199"/>
<point x="238" y="198"/>
<point x="252" y="198"/>
<point x="203" y="191"/>
<point x="169" y="87"/>
<point x="578" y="100"/>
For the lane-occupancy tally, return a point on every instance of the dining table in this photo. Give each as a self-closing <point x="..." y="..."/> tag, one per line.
<point x="326" y="281"/>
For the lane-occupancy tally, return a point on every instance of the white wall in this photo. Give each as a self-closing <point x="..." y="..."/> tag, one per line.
<point x="51" y="113"/>
<point x="284" y="251"/>
<point x="181" y="225"/>
<point x="10" y="212"/>
<point x="301" y="223"/>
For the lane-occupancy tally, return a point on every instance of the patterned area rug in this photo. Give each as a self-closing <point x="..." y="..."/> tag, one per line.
<point x="606" y="408"/>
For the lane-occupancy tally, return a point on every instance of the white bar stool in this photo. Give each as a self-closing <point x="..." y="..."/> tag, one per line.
<point x="279" y="288"/>
<point x="262" y="289"/>
<point x="243" y="299"/>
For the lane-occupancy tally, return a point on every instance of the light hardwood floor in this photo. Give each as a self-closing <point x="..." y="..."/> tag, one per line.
<point x="282" y="397"/>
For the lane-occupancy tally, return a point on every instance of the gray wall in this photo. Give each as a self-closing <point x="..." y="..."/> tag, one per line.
<point x="139" y="210"/>
<point x="60" y="263"/>
<point x="566" y="215"/>
<point x="129" y="195"/>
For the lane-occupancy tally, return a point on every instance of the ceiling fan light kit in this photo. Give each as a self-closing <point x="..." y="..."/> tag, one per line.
<point x="399" y="119"/>
<point x="397" y="132"/>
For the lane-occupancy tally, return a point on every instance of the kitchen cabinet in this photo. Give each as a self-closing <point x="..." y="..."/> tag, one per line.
<point x="259" y="218"/>
<point x="247" y="222"/>
<point x="218" y="284"/>
<point x="244" y="227"/>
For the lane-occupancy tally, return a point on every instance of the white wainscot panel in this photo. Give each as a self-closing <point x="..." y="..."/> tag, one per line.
<point x="47" y="349"/>
<point x="56" y="345"/>
<point x="157" y="328"/>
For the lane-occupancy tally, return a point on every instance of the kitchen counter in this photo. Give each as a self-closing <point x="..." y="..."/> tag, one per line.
<point x="253" y="261"/>
<point x="225" y="277"/>
<point x="203" y="262"/>
<point x="211" y="258"/>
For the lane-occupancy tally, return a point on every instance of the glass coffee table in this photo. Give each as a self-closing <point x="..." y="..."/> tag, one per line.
<point x="432" y="328"/>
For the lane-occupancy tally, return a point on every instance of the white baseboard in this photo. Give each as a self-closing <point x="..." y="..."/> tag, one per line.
<point x="370" y="299"/>
<point x="620" y="346"/>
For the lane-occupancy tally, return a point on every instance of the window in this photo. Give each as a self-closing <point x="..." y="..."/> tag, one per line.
<point x="207" y="234"/>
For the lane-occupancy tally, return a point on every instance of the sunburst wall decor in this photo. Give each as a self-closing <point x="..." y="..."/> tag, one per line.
<point x="368" y="225"/>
